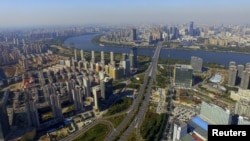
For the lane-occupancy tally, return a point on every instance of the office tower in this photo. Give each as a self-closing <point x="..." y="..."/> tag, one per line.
<point x="67" y="63"/>
<point x="191" y="28"/>
<point x="124" y="56"/>
<point x="32" y="114"/>
<point x="97" y="94"/>
<point x="133" y="57"/>
<point x="242" y="108"/>
<point x="180" y="130"/>
<point x="102" y="57"/>
<point x="4" y="120"/>
<point x="86" y="83"/>
<point x="215" y="114"/>
<point x="55" y="105"/>
<point x="75" y="53"/>
<point x="183" y="76"/>
<point x="82" y="55"/>
<point x="240" y="69"/>
<point x="232" y="73"/>
<point x="93" y="56"/>
<point x="77" y="98"/>
<point x="126" y="66"/>
<point x="244" y="83"/>
<point x="25" y="64"/>
<point x="196" y="63"/>
<point x="112" y="61"/>
<point x="106" y="69"/>
<point x="106" y="88"/>
<point x="232" y="63"/>
<point x="133" y="34"/>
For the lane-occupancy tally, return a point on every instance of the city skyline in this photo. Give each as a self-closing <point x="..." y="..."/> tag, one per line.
<point x="37" y="13"/>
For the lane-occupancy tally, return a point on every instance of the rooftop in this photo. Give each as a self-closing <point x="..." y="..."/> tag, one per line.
<point x="200" y="122"/>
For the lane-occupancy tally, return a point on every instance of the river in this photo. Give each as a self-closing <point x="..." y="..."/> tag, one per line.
<point x="223" y="58"/>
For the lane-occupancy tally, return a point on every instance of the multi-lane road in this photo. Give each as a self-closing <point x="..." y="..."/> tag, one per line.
<point x="80" y="132"/>
<point x="139" y="104"/>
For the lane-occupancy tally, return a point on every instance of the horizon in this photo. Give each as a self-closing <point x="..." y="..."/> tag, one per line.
<point x="28" y="13"/>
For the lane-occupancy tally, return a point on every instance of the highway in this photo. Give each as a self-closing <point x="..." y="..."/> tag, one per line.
<point x="142" y="111"/>
<point x="81" y="131"/>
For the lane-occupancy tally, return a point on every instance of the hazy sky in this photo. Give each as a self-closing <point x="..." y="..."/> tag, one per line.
<point x="46" y="12"/>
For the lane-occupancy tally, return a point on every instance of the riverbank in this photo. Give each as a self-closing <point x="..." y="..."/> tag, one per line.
<point x="96" y="40"/>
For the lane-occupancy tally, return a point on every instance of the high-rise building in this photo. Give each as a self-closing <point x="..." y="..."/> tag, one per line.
<point x="242" y="108"/>
<point x="32" y="114"/>
<point x="240" y="69"/>
<point x="126" y="66"/>
<point x="183" y="76"/>
<point x="215" y="114"/>
<point x="82" y="55"/>
<point x="75" y="53"/>
<point x="4" y="120"/>
<point x="191" y="28"/>
<point x="124" y="56"/>
<point x="25" y="64"/>
<point x="196" y="63"/>
<point x="180" y="130"/>
<point x="244" y="83"/>
<point x="133" y="34"/>
<point x="93" y="56"/>
<point x="232" y="73"/>
<point x="77" y="98"/>
<point x="102" y="57"/>
<point x="106" y="87"/>
<point x="133" y="57"/>
<point x="86" y="83"/>
<point x="55" y="105"/>
<point x="97" y="95"/>
<point x="112" y="61"/>
<point x="232" y="63"/>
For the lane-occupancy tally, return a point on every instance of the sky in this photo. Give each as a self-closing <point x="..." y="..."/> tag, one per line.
<point x="66" y="12"/>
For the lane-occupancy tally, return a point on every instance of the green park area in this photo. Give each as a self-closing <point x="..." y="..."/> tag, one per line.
<point x="152" y="126"/>
<point x="120" y="106"/>
<point x="116" y="120"/>
<point x="96" y="133"/>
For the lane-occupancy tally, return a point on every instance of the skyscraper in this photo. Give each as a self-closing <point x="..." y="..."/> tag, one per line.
<point x="97" y="94"/>
<point x="240" y="69"/>
<point x="82" y="55"/>
<point x="106" y="87"/>
<point x="32" y="114"/>
<point x="244" y="83"/>
<point x="93" y="56"/>
<point x="102" y="57"/>
<point x="77" y="98"/>
<point x="86" y="83"/>
<point x="196" y="63"/>
<point x="183" y="76"/>
<point x="126" y="66"/>
<point x="75" y="53"/>
<point x="55" y="105"/>
<point x="133" y="34"/>
<point x="191" y="28"/>
<point x="112" y="61"/>
<point x="4" y="120"/>
<point x="232" y="73"/>
<point x="124" y="56"/>
<point x="133" y="57"/>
